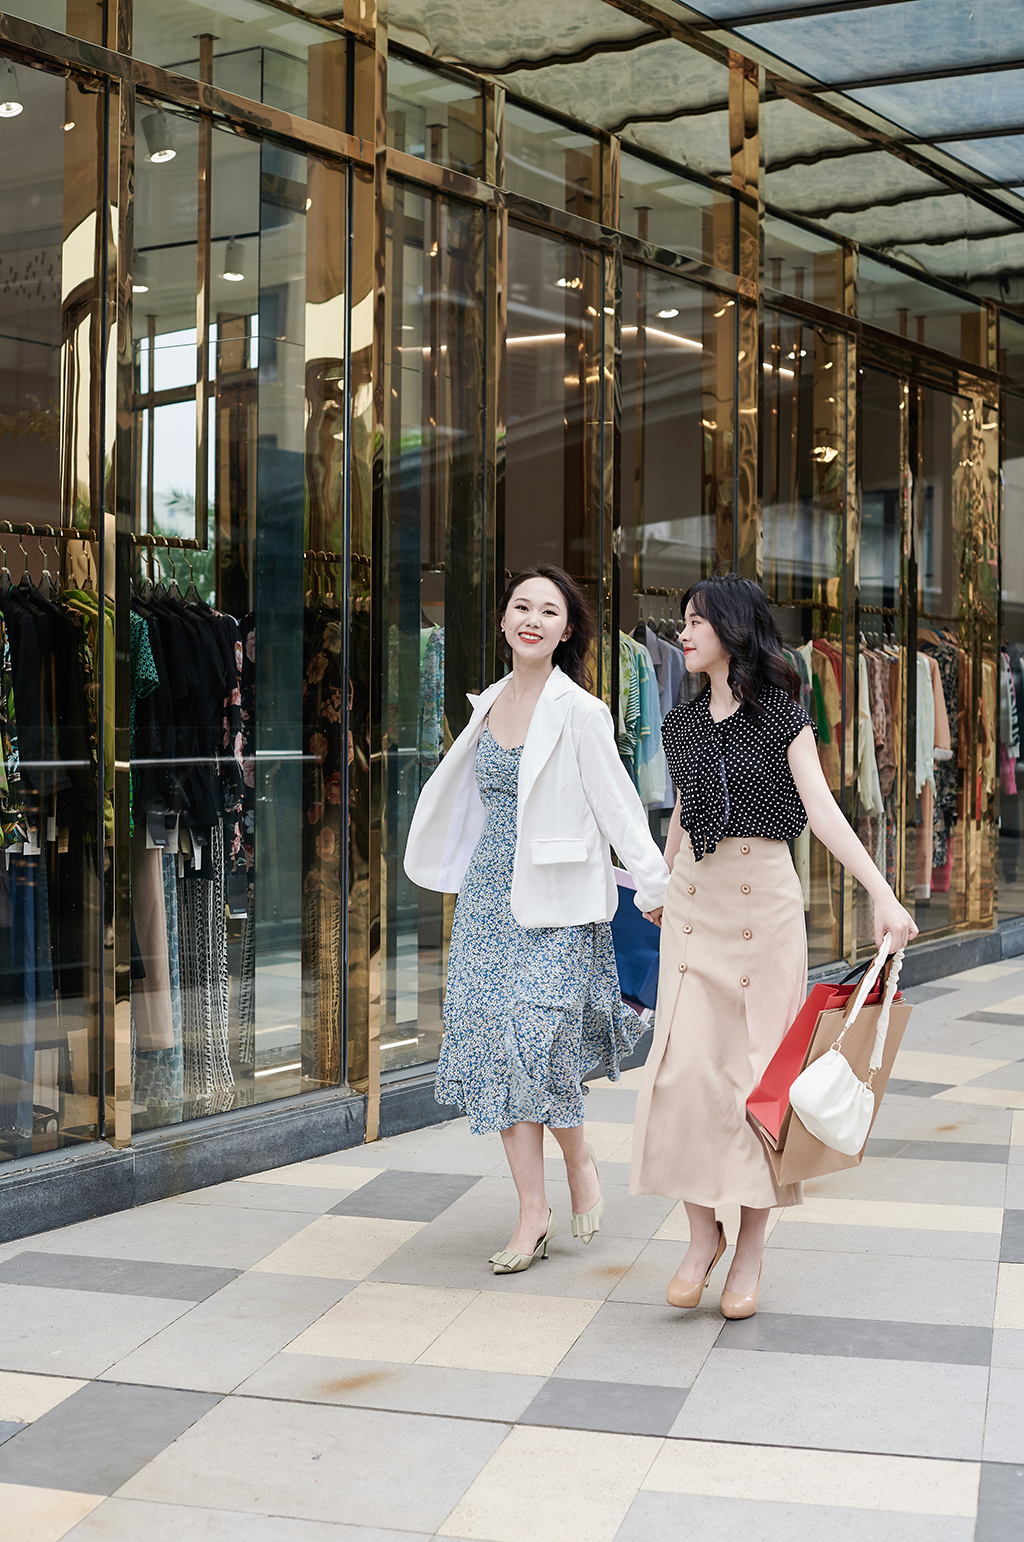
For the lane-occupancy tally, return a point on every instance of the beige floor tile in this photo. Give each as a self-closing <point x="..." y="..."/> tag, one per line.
<point x="984" y="973"/>
<point x="847" y="1480"/>
<point x="882" y="1212"/>
<point x="1013" y="1004"/>
<point x="383" y="1322"/>
<point x="524" y="1335"/>
<point x="316" y="1175"/>
<point x="631" y="1080"/>
<point x="1010" y="1297"/>
<point x="623" y="1153"/>
<point x="920" y="1065"/>
<point x="1017" y="1135"/>
<point x="340" y="1247"/>
<point x="43" y="1514"/>
<point x="546" y="1485"/>
<point x="676" y="1228"/>
<point x="990" y="1097"/>
<point x="25" y="1398"/>
<point x="603" y="1136"/>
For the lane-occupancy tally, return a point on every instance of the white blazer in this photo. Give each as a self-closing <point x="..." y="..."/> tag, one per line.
<point x="575" y="797"/>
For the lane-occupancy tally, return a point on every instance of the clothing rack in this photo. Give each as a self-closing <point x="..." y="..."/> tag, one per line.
<point x="51" y="532"/>
<point x="879" y="610"/>
<point x="662" y="594"/>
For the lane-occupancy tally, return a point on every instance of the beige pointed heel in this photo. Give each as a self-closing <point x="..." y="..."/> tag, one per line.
<point x="736" y="1306"/>
<point x="683" y="1293"/>
<point x="508" y="1262"/>
<point x="584" y="1226"/>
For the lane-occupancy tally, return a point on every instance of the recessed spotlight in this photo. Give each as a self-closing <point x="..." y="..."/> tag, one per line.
<point x="10" y="93"/>
<point x="234" y="263"/>
<point x="157" y="133"/>
<point x="140" y="277"/>
<point x="666" y="315"/>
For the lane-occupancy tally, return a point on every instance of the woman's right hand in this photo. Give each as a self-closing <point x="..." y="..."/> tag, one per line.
<point x="892" y="917"/>
<point x="654" y="916"/>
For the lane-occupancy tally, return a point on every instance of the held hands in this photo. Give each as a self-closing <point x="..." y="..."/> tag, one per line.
<point x="654" y="915"/>
<point x="890" y="916"/>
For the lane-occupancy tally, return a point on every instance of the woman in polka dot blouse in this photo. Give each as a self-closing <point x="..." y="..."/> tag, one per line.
<point x="734" y="950"/>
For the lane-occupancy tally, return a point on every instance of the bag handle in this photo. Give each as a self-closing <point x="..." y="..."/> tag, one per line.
<point x="866" y="986"/>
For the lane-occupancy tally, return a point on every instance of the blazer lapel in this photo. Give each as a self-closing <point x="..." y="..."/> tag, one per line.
<point x="544" y="732"/>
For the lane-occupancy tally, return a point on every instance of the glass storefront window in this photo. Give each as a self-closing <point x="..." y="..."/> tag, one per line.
<point x="803" y="469"/>
<point x="435" y="115"/>
<point x="239" y="698"/>
<point x="1011" y="346"/>
<point x="1010" y="868"/>
<point x="54" y="821"/>
<point x="255" y="51"/>
<point x="803" y="264"/>
<point x="436" y="646"/>
<point x="552" y="162"/>
<point x="659" y="206"/>
<point x="891" y="299"/>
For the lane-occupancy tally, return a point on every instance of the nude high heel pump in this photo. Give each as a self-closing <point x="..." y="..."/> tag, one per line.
<point x="735" y="1306"/>
<point x="507" y="1262"/>
<point x="682" y="1292"/>
<point x="584" y="1226"/>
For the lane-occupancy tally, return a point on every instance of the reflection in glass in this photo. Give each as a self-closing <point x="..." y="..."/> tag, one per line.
<point x="238" y="707"/>
<point x="1010" y="873"/>
<point x="804" y="489"/>
<point x="54" y="822"/>
<point x="436" y="116"/>
<point x="552" y="162"/>
<point x="435" y="645"/>
<point x="803" y="264"/>
<point x="1011" y="346"/>
<point x="659" y="206"/>
<point x="891" y="299"/>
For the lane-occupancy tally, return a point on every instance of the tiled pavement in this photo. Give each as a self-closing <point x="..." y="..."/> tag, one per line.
<point x="321" y="1354"/>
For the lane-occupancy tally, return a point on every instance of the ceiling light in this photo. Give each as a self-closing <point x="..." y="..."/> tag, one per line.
<point x="234" y="263"/>
<point x="569" y="283"/>
<point x="69" y="125"/>
<point x="725" y="307"/>
<point x="140" y="277"/>
<point x="157" y="132"/>
<point x="667" y="315"/>
<point x="825" y="453"/>
<point x="10" y="95"/>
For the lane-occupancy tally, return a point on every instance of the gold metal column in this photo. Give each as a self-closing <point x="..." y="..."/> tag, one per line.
<point x="492" y="564"/>
<point x="611" y="427"/>
<point x="746" y="83"/>
<point x="367" y="503"/>
<point x="204" y="194"/>
<point x="846" y="424"/>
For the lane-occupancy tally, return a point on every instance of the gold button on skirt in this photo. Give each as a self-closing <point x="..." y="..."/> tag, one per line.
<point x="733" y="977"/>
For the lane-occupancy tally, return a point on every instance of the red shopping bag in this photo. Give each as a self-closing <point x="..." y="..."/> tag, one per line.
<point x="768" y="1102"/>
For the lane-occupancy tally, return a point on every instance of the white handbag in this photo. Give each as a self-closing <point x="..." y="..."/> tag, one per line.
<point x="829" y="1097"/>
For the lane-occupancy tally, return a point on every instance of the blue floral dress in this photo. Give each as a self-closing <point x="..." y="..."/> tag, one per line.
<point x="528" y="1010"/>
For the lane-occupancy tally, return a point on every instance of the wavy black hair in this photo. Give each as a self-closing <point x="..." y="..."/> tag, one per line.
<point x="571" y="656"/>
<point x="737" y="609"/>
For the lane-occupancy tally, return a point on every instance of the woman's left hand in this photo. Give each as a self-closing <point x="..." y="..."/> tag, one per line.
<point x="654" y="916"/>
<point x="891" y="917"/>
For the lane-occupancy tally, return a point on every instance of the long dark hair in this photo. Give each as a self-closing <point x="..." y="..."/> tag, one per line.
<point x="737" y="609"/>
<point x="571" y="656"/>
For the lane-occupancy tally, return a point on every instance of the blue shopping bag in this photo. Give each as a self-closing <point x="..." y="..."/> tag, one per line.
<point x="637" y="946"/>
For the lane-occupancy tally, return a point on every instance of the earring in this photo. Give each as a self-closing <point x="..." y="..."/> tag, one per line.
<point x="566" y="637"/>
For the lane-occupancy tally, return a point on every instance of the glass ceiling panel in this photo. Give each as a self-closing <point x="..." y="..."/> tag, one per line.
<point x="612" y="90"/>
<point x="846" y="182"/>
<point x="724" y="9"/>
<point x="954" y="105"/>
<point x="701" y="142"/>
<point x="494" y="33"/>
<point x="890" y="39"/>
<point x="1001" y="157"/>
<point x="993" y="265"/>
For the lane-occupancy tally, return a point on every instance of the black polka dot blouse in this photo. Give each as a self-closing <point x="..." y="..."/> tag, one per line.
<point x="733" y="777"/>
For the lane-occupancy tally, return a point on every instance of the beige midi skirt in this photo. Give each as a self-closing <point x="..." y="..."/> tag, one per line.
<point x="733" y="976"/>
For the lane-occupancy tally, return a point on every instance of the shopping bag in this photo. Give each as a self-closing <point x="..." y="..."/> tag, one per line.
<point x="637" y="946"/>
<point x="796" y="1154"/>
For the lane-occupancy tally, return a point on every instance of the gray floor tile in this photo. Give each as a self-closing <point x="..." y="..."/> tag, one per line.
<point x="399" y="1195"/>
<point x="919" y="1119"/>
<point x="75" y="1333"/>
<point x="1000" y="1503"/>
<point x="114" y="1276"/>
<point x="128" y="1520"/>
<point x="619" y="1408"/>
<point x="646" y="1281"/>
<point x="264" y="1196"/>
<point x="888" y="1240"/>
<point x="419" y="1389"/>
<point x="211" y="1236"/>
<point x="7" y="1429"/>
<point x="724" y="1520"/>
<point x="881" y="1287"/>
<point x="1004" y="1420"/>
<point x="1012" y="1247"/>
<point x="651" y="1345"/>
<point x="938" y="1150"/>
<point x="1007" y="1019"/>
<point x="360" y="1454"/>
<point x="1009" y="1078"/>
<point x="891" y="1406"/>
<point x="1014" y="1197"/>
<point x="100" y="1436"/>
<point x="606" y="1101"/>
<point x="783" y="1333"/>
<point x="1008" y="1348"/>
<point x="230" y="1336"/>
<point x="918" y="994"/>
<point x="897" y="1087"/>
<point x="893" y="1178"/>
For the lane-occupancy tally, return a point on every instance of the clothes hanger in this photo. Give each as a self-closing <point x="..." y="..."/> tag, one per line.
<point x="191" y="595"/>
<point x="6" y="581"/>
<point x="87" y="582"/>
